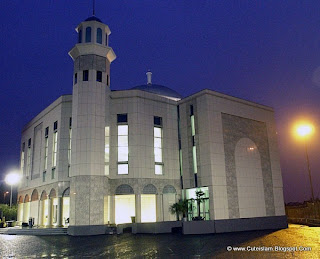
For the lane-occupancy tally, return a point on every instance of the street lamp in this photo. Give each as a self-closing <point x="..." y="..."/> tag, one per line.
<point x="303" y="131"/>
<point x="12" y="179"/>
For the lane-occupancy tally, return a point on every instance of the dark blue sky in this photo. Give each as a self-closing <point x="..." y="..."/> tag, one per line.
<point x="263" y="51"/>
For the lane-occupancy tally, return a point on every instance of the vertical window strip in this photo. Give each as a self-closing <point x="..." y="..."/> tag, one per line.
<point x="22" y="158"/>
<point x="106" y="150"/>
<point x="157" y="144"/>
<point x="194" y="148"/>
<point x="180" y="148"/>
<point x="28" y="159"/>
<point x="123" y="144"/>
<point x="69" y="144"/>
<point x="55" y="145"/>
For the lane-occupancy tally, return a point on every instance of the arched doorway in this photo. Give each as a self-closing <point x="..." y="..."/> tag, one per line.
<point x="52" y="208"/>
<point x="34" y="206"/>
<point x="148" y="204"/>
<point x="249" y="179"/>
<point x="124" y="204"/>
<point x="169" y="198"/>
<point x="26" y="208"/>
<point x="20" y="209"/>
<point x="43" y="214"/>
<point x="66" y="207"/>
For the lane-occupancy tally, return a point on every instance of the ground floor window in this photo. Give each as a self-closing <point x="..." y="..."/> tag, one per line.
<point x="148" y="208"/>
<point x="124" y="208"/>
<point x="198" y="205"/>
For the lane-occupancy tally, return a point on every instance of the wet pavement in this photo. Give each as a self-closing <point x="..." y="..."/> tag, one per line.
<point x="285" y="243"/>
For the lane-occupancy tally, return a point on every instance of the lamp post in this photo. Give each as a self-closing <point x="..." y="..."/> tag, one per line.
<point x="304" y="130"/>
<point x="12" y="179"/>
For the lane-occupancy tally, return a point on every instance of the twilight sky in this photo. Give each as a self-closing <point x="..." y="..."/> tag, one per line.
<point x="263" y="51"/>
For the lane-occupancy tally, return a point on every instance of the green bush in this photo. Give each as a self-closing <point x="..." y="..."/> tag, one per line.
<point x="7" y="212"/>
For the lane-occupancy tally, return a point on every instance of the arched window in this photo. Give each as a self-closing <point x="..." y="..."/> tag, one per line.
<point x="99" y="36"/>
<point x="80" y="36"/>
<point x="88" y="34"/>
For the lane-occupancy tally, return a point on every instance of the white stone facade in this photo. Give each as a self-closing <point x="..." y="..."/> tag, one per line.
<point x="223" y="145"/>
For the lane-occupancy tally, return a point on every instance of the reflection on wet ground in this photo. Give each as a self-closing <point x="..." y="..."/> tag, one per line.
<point x="165" y="245"/>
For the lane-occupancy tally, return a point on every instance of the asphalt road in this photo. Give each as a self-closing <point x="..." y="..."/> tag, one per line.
<point x="296" y="241"/>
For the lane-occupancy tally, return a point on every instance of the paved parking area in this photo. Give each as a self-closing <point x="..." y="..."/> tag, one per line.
<point x="285" y="243"/>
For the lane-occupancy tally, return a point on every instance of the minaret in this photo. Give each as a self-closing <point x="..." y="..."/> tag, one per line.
<point x="91" y="85"/>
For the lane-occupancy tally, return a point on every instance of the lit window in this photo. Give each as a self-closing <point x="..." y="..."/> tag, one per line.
<point x="80" y="36"/>
<point x="46" y="141"/>
<point x="22" y="158"/>
<point x="28" y="158"/>
<point x="55" y="145"/>
<point x="99" y="36"/>
<point x="157" y="144"/>
<point x="106" y="150"/>
<point x="123" y="144"/>
<point x="85" y="75"/>
<point x="69" y="144"/>
<point x="193" y="129"/>
<point x="194" y="159"/>
<point x="88" y="34"/>
<point x="99" y="76"/>
<point x="123" y="169"/>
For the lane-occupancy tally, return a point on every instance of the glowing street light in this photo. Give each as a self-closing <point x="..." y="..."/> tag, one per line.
<point x="303" y="131"/>
<point x="12" y="179"/>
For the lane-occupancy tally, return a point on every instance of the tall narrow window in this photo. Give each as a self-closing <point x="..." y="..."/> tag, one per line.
<point x="99" y="76"/>
<point x="106" y="39"/>
<point x="46" y="143"/>
<point x="80" y="36"/>
<point x="22" y="158"/>
<point x="123" y="145"/>
<point x="194" y="147"/>
<point x="108" y="80"/>
<point x="157" y="140"/>
<point x="88" y="34"/>
<point x="69" y="144"/>
<point x="85" y="75"/>
<point x="75" y="78"/>
<point x="28" y="159"/>
<point x="106" y="150"/>
<point x="55" y="144"/>
<point x="99" y="36"/>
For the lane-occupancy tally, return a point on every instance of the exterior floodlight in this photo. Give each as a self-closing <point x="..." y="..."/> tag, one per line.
<point x="12" y="179"/>
<point x="304" y="130"/>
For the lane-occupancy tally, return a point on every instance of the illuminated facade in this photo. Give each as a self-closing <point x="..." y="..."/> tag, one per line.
<point x="100" y="157"/>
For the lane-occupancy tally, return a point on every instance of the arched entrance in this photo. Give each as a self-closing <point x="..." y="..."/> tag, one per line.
<point x="34" y="206"/>
<point x="124" y="204"/>
<point x="169" y="198"/>
<point x="66" y="207"/>
<point x="148" y="204"/>
<point x="52" y="208"/>
<point x="26" y="208"/>
<point x="43" y="214"/>
<point x="20" y="209"/>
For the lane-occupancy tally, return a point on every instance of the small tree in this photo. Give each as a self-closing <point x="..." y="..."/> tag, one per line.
<point x="180" y="207"/>
<point x="199" y="199"/>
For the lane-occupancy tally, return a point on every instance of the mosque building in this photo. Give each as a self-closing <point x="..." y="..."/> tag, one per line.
<point x="102" y="157"/>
